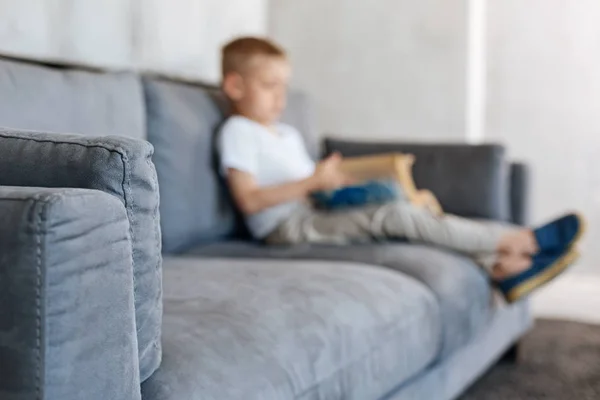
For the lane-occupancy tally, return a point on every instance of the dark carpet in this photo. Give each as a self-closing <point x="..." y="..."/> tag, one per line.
<point x="560" y="360"/>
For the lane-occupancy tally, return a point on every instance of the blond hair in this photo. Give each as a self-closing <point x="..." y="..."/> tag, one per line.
<point x="236" y="54"/>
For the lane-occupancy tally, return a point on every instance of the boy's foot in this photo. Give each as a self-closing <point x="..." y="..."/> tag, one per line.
<point x="555" y="236"/>
<point x="508" y="265"/>
<point x="560" y="234"/>
<point x="546" y="265"/>
<point x="518" y="243"/>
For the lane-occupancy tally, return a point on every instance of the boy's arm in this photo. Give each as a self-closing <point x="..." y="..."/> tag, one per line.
<point x="251" y="198"/>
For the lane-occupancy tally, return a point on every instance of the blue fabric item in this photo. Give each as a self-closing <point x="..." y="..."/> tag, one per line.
<point x="269" y="329"/>
<point x="36" y="97"/>
<point x="560" y="233"/>
<point x="462" y="288"/>
<point x="450" y="377"/>
<point x="118" y="166"/>
<point x="369" y="193"/>
<point x="546" y="266"/>
<point x="67" y="319"/>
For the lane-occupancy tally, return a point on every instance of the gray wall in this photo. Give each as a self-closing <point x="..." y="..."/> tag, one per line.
<point x="543" y="101"/>
<point x="94" y="32"/>
<point x="385" y="69"/>
<point x="180" y="37"/>
<point x="184" y="37"/>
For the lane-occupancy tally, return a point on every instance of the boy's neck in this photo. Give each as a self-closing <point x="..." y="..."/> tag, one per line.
<point x="270" y="126"/>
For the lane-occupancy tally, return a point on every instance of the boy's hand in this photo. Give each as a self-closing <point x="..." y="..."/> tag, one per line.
<point x="328" y="174"/>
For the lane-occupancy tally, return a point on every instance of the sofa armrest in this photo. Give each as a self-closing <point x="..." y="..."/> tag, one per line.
<point x="67" y="319"/>
<point x="519" y="193"/>
<point x="468" y="180"/>
<point x="121" y="167"/>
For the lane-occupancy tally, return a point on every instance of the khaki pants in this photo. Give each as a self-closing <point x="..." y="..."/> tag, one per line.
<point x="400" y="220"/>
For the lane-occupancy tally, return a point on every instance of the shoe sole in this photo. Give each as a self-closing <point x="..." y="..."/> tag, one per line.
<point x="523" y="289"/>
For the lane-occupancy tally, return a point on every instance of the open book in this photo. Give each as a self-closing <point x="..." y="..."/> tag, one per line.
<point x="397" y="166"/>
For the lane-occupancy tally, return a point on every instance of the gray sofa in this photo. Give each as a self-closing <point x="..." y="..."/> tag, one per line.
<point x="91" y="308"/>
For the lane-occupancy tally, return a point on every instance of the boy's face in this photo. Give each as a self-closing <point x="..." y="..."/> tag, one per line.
<point x="259" y="93"/>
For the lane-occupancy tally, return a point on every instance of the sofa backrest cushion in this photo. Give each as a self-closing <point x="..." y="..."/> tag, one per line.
<point x="468" y="180"/>
<point x="300" y="114"/>
<point x="183" y="120"/>
<point x="195" y="206"/>
<point x="37" y="97"/>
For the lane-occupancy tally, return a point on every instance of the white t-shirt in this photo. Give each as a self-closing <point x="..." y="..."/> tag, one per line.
<point x="273" y="158"/>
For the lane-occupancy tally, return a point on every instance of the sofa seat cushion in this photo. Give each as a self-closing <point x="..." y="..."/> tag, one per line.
<point x="272" y="329"/>
<point x="460" y="286"/>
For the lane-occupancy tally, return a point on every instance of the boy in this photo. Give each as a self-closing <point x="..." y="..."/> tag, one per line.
<point x="270" y="176"/>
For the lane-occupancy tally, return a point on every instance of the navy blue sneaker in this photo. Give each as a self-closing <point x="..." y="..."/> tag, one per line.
<point x="560" y="234"/>
<point x="546" y="266"/>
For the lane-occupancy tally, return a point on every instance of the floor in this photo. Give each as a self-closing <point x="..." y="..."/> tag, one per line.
<point x="575" y="296"/>
<point x="558" y="361"/>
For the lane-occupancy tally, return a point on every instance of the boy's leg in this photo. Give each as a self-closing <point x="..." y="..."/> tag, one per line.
<point x="395" y="220"/>
<point x="506" y="252"/>
<point x="456" y="233"/>
<point x="484" y="241"/>
<point x="307" y="225"/>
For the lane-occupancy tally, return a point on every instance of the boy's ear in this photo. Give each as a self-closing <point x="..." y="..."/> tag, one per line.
<point x="233" y="86"/>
